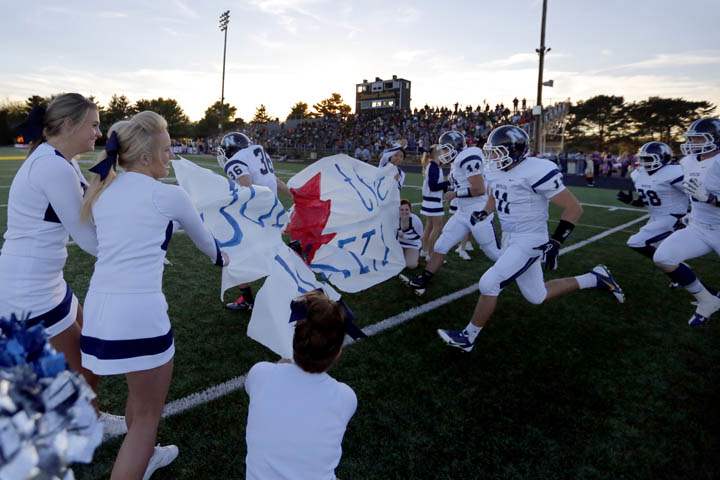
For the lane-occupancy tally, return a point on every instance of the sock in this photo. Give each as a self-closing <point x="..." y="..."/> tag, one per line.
<point x="648" y="251"/>
<point x="246" y="292"/>
<point x="587" y="280"/>
<point x="472" y="331"/>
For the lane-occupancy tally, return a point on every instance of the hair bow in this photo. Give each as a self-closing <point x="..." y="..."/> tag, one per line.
<point x="112" y="146"/>
<point x="298" y="311"/>
<point x="32" y="128"/>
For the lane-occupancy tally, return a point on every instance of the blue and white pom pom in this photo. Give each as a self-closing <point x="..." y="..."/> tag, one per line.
<point x="46" y="419"/>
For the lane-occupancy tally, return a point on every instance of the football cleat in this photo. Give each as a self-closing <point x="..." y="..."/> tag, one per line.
<point x="705" y="309"/>
<point x="463" y="253"/>
<point x="607" y="282"/>
<point x="240" y="304"/>
<point x="161" y="457"/>
<point x="456" y="338"/>
<point x="419" y="291"/>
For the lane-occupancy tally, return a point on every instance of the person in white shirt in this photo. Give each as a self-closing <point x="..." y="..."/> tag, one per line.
<point x="298" y="413"/>
<point x="702" y="236"/>
<point x="43" y="209"/>
<point x="409" y="234"/>
<point x="126" y="328"/>
<point x="520" y="189"/>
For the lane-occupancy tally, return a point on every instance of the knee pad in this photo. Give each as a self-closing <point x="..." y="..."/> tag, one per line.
<point x="536" y="298"/>
<point x="442" y="246"/>
<point x="644" y="250"/>
<point x="662" y="259"/>
<point x="489" y="283"/>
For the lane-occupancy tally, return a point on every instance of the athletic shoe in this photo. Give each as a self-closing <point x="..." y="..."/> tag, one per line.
<point x="418" y="284"/>
<point x="457" y="339"/>
<point x="161" y="457"/>
<point x="607" y="282"/>
<point x="469" y="247"/>
<point x="463" y="254"/>
<point x="113" y="425"/>
<point x="705" y="309"/>
<point x="240" y="305"/>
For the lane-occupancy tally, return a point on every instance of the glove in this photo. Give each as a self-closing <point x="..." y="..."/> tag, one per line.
<point x="220" y="157"/>
<point x="695" y="189"/>
<point x="625" y="197"/>
<point x="550" y="252"/>
<point x="478" y="217"/>
<point x="638" y="202"/>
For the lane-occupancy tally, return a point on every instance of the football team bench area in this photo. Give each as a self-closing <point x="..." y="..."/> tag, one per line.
<point x="578" y="388"/>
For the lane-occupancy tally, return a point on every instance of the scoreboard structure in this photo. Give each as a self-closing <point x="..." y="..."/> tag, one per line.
<point x="382" y="95"/>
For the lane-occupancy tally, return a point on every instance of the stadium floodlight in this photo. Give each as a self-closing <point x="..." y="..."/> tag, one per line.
<point x="224" y="21"/>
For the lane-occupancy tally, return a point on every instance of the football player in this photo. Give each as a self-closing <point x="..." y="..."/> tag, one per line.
<point x="520" y="188"/>
<point x="702" y="235"/>
<point x="658" y="183"/>
<point x="468" y="187"/>
<point x="247" y="164"/>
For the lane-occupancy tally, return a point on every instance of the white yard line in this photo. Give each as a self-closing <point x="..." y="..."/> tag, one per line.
<point x="191" y="401"/>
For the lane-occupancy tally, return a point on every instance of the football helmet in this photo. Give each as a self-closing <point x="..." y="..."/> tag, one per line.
<point x="707" y="129"/>
<point x="505" y="146"/>
<point x="654" y="155"/>
<point x="232" y="143"/>
<point x="451" y="143"/>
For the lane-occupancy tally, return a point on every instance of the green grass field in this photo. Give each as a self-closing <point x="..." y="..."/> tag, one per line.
<point x="579" y="388"/>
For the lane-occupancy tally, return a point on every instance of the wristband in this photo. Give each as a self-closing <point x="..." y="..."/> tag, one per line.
<point x="563" y="231"/>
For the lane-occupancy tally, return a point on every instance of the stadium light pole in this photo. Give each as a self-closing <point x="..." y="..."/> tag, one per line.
<point x="541" y="53"/>
<point x="224" y="20"/>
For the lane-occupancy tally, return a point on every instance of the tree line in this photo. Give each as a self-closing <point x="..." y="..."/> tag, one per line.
<point x="12" y="113"/>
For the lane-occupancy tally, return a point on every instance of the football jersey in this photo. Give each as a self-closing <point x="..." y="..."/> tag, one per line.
<point x="522" y="194"/>
<point x="44" y="207"/>
<point x="692" y="168"/>
<point x="411" y="237"/>
<point x="468" y="163"/>
<point x="712" y="179"/>
<point x="258" y="165"/>
<point x="662" y="190"/>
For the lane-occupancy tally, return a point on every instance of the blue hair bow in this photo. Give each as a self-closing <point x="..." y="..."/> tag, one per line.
<point x="298" y="311"/>
<point x="32" y="128"/>
<point x="112" y="147"/>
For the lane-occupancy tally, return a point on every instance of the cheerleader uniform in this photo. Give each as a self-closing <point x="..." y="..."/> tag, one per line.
<point x="434" y="186"/>
<point x="126" y="325"/>
<point x="43" y="208"/>
<point x="411" y="237"/>
<point x="385" y="159"/>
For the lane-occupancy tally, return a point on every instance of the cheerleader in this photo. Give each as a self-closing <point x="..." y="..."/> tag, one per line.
<point x="433" y="188"/>
<point x="409" y="234"/>
<point x="298" y="414"/>
<point x="43" y="209"/>
<point x="127" y="329"/>
<point x="396" y="156"/>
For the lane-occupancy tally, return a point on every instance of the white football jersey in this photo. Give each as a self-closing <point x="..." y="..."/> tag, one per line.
<point x="692" y="168"/>
<point x="661" y="190"/>
<point x="468" y="163"/>
<point x="712" y="179"/>
<point x="522" y="194"/>
<point x="256" y="163"/>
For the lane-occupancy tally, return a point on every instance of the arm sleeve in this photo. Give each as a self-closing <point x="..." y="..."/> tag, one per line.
<point x="433" y="177"/>
<point x="712" y="179"/>
<point x="472" y="165"/>
<point x="549" y="182"/>
<point x="172" y="202"/>
<point x="61" y="185"/>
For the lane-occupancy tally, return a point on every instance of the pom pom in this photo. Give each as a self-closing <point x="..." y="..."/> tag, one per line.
<point x="46" y="419"/>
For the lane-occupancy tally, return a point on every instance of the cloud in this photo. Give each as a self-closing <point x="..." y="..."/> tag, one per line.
<point x="112" y="15"/>
<point x="264" y="41"/>
<point x="606" y="52"/>
<point x="185" y="10"/>
<point x="670" y="60"/>
<point x="291" y="13"/>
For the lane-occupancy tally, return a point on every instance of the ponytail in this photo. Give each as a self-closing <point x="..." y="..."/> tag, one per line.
<point x="319" y="336"/>
<point x="43" y="123"/>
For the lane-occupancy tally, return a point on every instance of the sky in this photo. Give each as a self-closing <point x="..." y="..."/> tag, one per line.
<point x="283" y="51"/>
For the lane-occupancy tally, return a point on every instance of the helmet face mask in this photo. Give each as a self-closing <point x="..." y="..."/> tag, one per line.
<point x="654" y="155"/>
<point x="703" y="136"/>
<point x="497" y="157"/>
<point x="451" y="143"/>
<point x="446" y="153"/>
<point x="232" y="143"/>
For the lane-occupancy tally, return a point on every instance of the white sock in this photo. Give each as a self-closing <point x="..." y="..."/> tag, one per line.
<point x="472" y="331"/>
<point x="700" y="292"/>
<point x="587" y="280"/>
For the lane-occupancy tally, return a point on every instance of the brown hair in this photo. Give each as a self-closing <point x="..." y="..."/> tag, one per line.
<point x="70" y="106"/>
<point x="405" y="201"/>
<point x="427" y="156"/>
<point x="318" y="337"/>
<point x="136" y="137"/>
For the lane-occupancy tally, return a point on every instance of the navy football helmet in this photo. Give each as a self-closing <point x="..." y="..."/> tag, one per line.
<point x="708" y="131"/>
<point x="232" y="143"/>
<point x="654" y="155"/>
<point x="451" y="143"/>
<point x="505" y="146"/>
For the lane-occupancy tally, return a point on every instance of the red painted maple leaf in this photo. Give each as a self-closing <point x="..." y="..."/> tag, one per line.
<point x="310" y="215"/>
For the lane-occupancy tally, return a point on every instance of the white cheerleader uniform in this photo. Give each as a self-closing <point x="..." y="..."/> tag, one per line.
<point x="43" y="208"/>
<point x="126" y="326"/>
<point x="433" y="189"/>
<point x="411" y="237"/>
